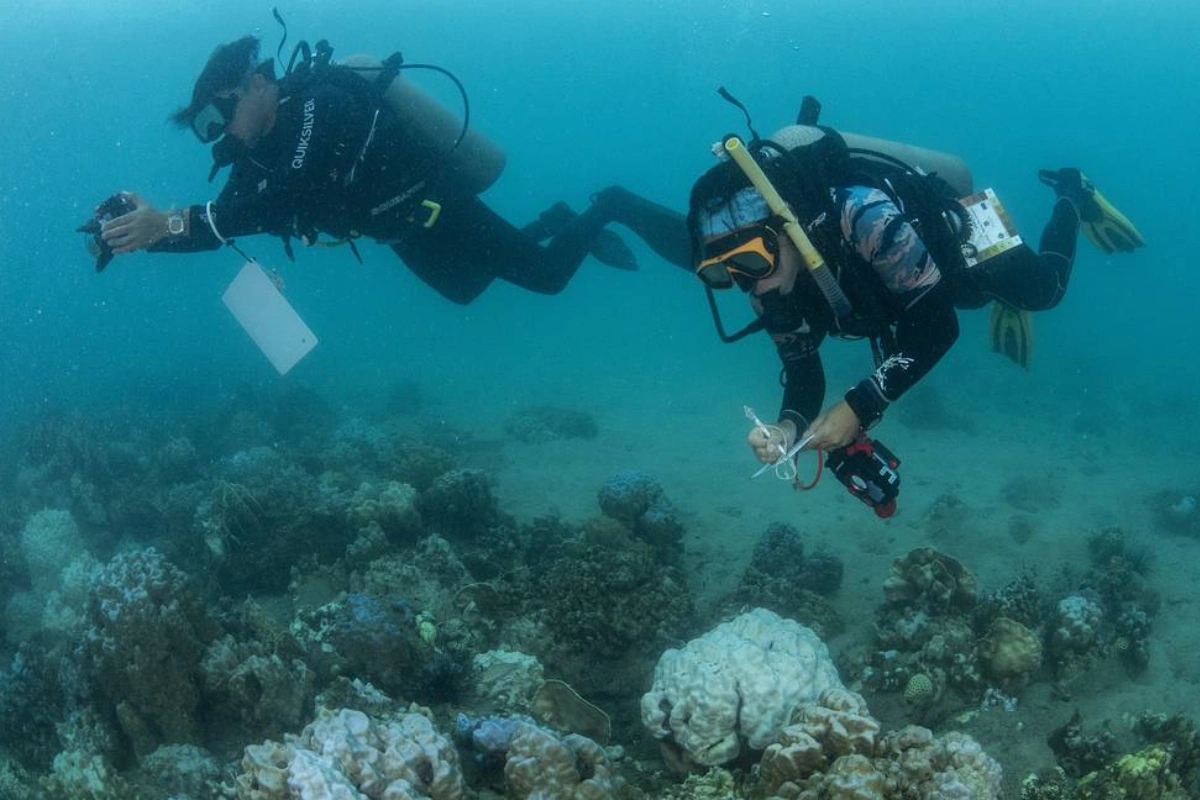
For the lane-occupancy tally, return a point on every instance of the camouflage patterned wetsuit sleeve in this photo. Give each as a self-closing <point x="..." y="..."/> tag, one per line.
<point x="922" y="304"/>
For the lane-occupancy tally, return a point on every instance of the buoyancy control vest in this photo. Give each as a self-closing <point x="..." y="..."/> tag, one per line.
<point x="452" y="151"/>
<point x="924" y="184"/>
<point x="470" y="157"/>
<point x="926" y="193"/>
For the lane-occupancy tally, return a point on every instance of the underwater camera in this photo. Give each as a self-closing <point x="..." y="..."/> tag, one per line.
<point x="114" y="206"/>
<point x="869" y="471"/>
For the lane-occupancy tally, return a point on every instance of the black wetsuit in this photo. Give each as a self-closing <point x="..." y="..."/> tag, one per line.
<point x="1021" y="277"/>
<point x="899" y="292"/>
<point x="329" y="165"/>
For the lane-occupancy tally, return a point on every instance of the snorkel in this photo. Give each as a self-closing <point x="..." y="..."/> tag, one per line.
<point x="735" y="148"/>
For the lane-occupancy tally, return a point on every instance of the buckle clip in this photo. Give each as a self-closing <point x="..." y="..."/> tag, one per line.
<point x="435" y="211"/>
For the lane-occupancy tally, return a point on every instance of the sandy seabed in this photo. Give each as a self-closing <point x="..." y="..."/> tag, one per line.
<point x="1037" y="470"/>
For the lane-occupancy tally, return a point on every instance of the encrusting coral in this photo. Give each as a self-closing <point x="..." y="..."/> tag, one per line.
<point x="142" y="649"/>
<point x="1010" y="653"/>
<point x="834" y="748"/>
<point x="932" y="581"/>
<point x="504" y="681"/>
<point x="543" y="766"/>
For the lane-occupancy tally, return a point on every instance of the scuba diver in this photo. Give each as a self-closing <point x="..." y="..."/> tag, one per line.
<point x="858" y="244"/>
<point x="327" y="150"/>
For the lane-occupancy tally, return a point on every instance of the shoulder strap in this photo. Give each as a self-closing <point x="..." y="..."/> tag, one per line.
<point x="928" y="202"/>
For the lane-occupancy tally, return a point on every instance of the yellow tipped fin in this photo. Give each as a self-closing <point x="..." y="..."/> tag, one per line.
<point x="1011" y="333"/>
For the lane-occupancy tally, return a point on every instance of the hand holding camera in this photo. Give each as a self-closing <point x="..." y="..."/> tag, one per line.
<point x="124" y="223"/>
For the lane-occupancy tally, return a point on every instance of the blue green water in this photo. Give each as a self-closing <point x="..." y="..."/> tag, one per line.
<point x="583" y="95"/>
<point x="579" y="96"/>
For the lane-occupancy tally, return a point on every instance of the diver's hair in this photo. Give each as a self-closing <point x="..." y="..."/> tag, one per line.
<point x="226" y="69"/>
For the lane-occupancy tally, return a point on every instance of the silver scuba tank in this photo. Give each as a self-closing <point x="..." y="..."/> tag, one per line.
<point x="950" y="168"/>
<point x="477" y="161"/>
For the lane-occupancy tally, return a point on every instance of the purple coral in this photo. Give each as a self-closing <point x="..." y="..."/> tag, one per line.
<point x="376" y="638"/>
<point x="637" y="501"/>
<point x="488" y="738"/>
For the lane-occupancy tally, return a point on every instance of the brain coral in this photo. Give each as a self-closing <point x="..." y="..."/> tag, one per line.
<point x="735" y="687"/>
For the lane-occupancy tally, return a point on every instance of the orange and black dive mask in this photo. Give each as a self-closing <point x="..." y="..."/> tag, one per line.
<point x="743" y="257"/>
<point x="739" y="241"/>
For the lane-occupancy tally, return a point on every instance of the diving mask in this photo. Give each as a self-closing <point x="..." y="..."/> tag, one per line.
<point x="210" y="122"/>
<point x="743" y="257"/>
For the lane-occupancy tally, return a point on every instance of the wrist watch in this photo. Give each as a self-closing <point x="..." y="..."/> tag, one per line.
<point x="175" y="225"/>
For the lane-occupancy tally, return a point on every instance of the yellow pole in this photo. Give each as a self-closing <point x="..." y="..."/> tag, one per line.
<point x="791" y="226"/>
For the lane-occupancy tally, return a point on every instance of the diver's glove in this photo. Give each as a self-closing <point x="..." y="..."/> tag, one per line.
<point x="1102" y="223"/>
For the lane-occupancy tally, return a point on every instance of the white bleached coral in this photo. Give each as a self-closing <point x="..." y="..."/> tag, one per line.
<point x="346" y="753"/>
<point x="735" y="687"/>
<point x="60" y="568"/>
<point x="50" y="541"/>
<point x="1075" y="623"/>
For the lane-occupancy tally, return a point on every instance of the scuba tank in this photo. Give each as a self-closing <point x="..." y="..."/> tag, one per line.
<point x="475" y="163"/>
<point x="952" y="169"/>
<point x="467" y="156"/>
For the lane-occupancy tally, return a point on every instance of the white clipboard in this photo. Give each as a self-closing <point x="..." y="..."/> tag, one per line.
<point x="264" y="313"/>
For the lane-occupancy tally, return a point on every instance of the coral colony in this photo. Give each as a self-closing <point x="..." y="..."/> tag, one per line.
<point x="274" y="602"/>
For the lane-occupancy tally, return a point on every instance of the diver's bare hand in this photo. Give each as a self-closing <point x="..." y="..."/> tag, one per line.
<point x="136" y="230"/>
<point x="771" y="442"/>
<point x="834" y="428"/>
